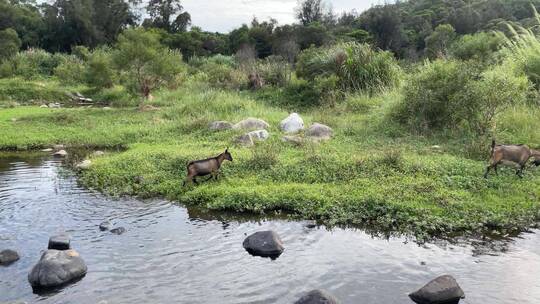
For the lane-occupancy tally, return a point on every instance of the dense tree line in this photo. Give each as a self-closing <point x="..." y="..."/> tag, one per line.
<point x="410" y="29"/>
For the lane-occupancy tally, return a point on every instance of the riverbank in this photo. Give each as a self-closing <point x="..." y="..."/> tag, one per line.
<point x="370" y="174"/>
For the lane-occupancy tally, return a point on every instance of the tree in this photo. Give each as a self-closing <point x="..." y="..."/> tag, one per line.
<point x="439" y="41"/>
<point x="10" y="42"/>
<point x="309" y="11"/>
<point x="146" y="61"/>
<point x="168" y="15"/>
<point x="24" y="18"/>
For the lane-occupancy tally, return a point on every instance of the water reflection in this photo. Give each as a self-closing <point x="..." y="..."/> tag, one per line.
<point x="171" y="254"/>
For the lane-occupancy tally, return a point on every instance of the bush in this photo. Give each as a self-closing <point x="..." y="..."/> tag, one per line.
<point x="274" y="71"/>
<point x="100" y="71"/>
<point x="71" y="71"/>
<point x="116" y="96"/>
<point x="300" y="93"/>
<point x="480" y="47"/>
<point x="358" y="66"/>
<point x="453" y="95"/>
<point x="36" y="63"/>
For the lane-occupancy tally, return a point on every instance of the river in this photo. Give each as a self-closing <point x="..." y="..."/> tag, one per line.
<point x="173" y="254"/>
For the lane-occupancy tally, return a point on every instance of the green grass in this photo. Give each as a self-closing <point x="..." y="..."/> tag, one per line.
<point x="371" y="174"/>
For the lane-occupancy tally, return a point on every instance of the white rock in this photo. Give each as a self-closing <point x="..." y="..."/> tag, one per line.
<point x="292" y="124"/>
<point x="260" y="135"/>
<point x="251" y="124"/>
<point x="61" y="153"/>
<point x="43" y="106"/>
<point x="47" y="150"/>
<point x="85" y="165"/>
<point x="98" y="153"/>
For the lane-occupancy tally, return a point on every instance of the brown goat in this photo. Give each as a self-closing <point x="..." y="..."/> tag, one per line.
<point x="209" y="166"/>
<point x="516" y="154"/>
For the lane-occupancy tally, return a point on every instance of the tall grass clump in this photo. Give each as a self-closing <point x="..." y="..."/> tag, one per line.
<point x="358" y="66"/>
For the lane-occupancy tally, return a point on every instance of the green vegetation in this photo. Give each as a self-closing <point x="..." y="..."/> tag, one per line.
<point x="411" y="137"/>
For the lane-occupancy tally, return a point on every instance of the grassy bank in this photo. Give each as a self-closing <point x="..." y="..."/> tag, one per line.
<point x="370" y="174"/>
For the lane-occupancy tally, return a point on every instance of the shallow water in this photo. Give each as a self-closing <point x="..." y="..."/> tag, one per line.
<point x="171" y="254"/>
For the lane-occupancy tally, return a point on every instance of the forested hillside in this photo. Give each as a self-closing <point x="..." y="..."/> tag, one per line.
<point x="405" y="28"/>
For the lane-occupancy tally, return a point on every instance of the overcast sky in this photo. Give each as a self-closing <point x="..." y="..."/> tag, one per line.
<point x="225" y="15"/>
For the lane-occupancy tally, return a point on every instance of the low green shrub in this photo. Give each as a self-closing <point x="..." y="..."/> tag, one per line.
<point x="31" y="92"/>
<point x="453" y="95"/>
<point x="71" y="71"/>
<point x="36" y="63"/>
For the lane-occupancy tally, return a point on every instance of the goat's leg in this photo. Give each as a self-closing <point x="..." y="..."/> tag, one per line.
<point x="496" y="170"/>
<point x="487" y="171"/>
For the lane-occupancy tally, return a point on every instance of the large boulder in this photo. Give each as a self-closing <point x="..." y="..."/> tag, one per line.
<point x="57" y="268"/>
<point x="319" y="132"/>
<point x="251" y="124"/>
<point x="220" y="125"/>
<point x="317" y="297"/>
<point x="292" y="124"/>
<point x="442" y="290"/>
<point x="8" y="256"/>
<point x="260" y="135"/>
<point x="264" y="244"/>
<point x="60" y="242"/>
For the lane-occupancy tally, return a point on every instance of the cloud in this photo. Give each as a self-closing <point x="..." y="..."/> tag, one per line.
<point x="225" y="15"/>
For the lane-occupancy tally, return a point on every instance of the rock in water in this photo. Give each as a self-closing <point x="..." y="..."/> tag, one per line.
<point x="57" y="268"/>
<point x="264" y="244"/>
<point x="61" y="153"/>
<point x="8" y="256"/>
<point x="251" y="124"/>
<point x="319" y="132"/>
<point x="84" y="165"/>
<point x="118" y="231"/>
<point x="317" y="297"/>
<point x="104" y="226"/>
<point x="260" y="135"/>
<point x="442" y="290"/>
<point x="292" y="124"/>
<point x="220" y="125"/>
<point x="60" y="242"/>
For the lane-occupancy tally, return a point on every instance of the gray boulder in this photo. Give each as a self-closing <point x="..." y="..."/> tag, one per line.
<point x="251" y="124"/>
<point x="317" y="297"/>
<point x="295" y="139"/>
<point x="264" y="244"/>
<point x="105" y="226"/>
<point x="57" y="268"/>
<point x="292" y="124"/>
<point x="260" y="135"/>
<point x="220" y="125"/>
<point x="319" y="132"/>
<point x="8" y="256"/>
<point x="60" y="242"/>
<point x="118" y="231"/>
<point x="442" y="290"/>
<point x="245" y="140"/>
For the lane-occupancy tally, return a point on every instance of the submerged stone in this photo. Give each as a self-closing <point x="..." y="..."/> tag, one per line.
<point x="8" y="256"/>
<point x="442" y="290"/>
<point x="264" y="244"/>
<point x="317" y="297"/>
<point x="104" y="226"/>
<point x="57" y="268"/>
<point x="61" y="153"/>
<point x="118" y="230"/>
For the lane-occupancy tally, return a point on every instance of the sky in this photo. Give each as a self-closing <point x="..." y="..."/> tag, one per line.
<point x="225" y="15"/>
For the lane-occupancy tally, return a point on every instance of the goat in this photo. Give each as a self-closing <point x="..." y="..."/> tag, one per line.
<point x="209" y="166"/>
<point x="517" y="154"/>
